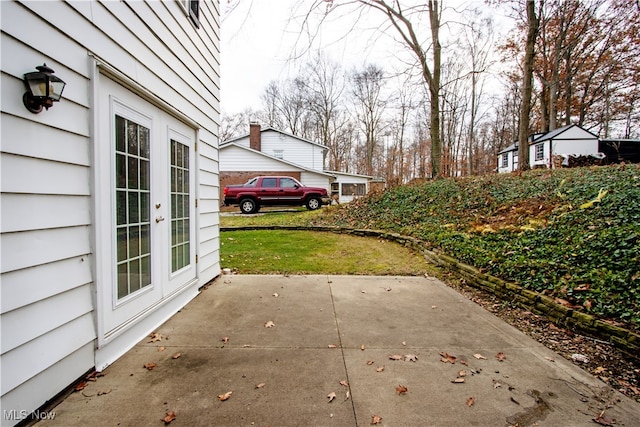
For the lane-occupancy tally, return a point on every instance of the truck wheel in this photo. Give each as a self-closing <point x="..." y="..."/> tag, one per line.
<point x="313" y="203"/>
<point x="248" y="206"/>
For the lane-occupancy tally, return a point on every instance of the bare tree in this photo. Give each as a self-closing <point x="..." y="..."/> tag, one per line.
<point x="235" y="125"/>
<point x="478" y="39"/>
<point x="407" y="21"/>
<point x="324" y="88"/>
<point x="271" y="98"/>
<point x="370" y="104"/>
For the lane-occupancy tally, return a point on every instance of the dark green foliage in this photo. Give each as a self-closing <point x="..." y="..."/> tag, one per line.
<point x="536" y="229"/>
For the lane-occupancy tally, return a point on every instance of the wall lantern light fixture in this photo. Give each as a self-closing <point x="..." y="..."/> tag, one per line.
<point x="43" y="89"/>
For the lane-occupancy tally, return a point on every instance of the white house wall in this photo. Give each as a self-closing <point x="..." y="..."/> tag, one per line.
<point x="311" y="179"/>
<point x="47" y="280"/>
<point x="510" y="166"/>
<point x="295" y="151"/>
<point x="234" y="159"/>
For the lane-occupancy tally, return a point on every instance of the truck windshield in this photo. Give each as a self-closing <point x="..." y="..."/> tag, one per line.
<point x="251" y="182"/>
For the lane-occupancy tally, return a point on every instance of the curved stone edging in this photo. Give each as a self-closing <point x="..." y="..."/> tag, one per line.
<point x="624" y="339"/>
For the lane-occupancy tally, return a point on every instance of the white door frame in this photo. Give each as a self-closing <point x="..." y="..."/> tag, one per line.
<point x="129" y="319"/>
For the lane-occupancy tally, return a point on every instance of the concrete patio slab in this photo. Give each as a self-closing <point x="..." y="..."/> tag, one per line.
<point x="367" y="319"/>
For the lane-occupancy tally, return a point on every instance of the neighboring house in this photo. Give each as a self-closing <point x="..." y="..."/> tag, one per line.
<point x="268" y="151"/>
<point x="110" y="198"/>
<point x="239" y="163"/>
<point x="567" y="140"/>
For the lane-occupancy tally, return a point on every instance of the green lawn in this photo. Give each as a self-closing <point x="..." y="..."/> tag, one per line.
<point x="304" y="252"/>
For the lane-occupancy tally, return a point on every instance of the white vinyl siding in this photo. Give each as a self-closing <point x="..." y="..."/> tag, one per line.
<point x="294" y="150"/>
<point x="239" y="159"/>
<point x="47" y="167"/>
<point x="311" y="179"/>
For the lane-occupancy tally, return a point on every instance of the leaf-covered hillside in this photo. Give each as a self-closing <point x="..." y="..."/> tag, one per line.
<point x="573" y="233"/>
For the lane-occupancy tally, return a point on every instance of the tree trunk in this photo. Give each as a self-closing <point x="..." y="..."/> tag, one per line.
<point x="434" y="90"/>
<point x="527" y="87"/>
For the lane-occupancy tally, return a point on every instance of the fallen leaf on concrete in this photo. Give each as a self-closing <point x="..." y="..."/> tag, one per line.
<point x="347" y="395"/>
<point x="404" y="343"/>
<point x="602" y="419"/>
<point x="410" y="358"/>
<point x="380" y="369"/>
<point x="463" y="362"/>
<point x="93" y="376"/>
<point x="86" y="394"/>
<point x="155" y="337"/>
<point x="479" y="356"/>
<point x="462" y="373"/>
<point x="370" y="362"/>
<point x="447" y="358"/>
<point x="470" y="401"/>
<point x="170" y="416"/>
<point x="501" y="356"/>
<point x="276" y="294"/>
<point x="225" y="339"/>
<point x="395" y="357"/>
<point x="225" y="396"/>
<point x="401" y="389"/>
<point x="269" y="324"/>
<point x="496" y="384"/>
<point x="458" y="380"/>
<point x="550" y="359"/>
<point x="344" y="383"/>
<point x="375" y="420"/>
<point x="81" y="386"/>
<point x="332" y="346"/>
<point x="177" y="355"/>
<point x="260" y="385"/>
<point x="331" y="396"/>
<point x="149" y="366"/>
<point x="434" y="307"/>
<point x="362" y="347"/>
<point x="101" y="392"/>
<point x="161" y="349"/>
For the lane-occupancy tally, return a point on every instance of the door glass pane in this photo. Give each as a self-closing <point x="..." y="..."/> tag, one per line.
<point x="132" y="170"/>
<point x="180" y="199"/>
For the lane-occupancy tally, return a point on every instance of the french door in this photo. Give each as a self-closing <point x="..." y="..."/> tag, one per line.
<point x="146" y="183"/>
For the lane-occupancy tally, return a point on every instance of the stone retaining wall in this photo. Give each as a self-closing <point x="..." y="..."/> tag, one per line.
<point x="625" y="340"/>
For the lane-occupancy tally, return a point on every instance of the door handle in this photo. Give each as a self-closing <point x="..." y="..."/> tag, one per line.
<point x="159" y="218"/>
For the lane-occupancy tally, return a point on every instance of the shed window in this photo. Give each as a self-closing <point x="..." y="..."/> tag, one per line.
<point x="354" y="189"/>
<point x="278" y="154"/>
<point x="539" y="151"/>
<point x="505" y="160"/>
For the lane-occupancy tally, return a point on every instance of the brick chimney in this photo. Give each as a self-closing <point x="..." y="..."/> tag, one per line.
<point x="255" y="141"/>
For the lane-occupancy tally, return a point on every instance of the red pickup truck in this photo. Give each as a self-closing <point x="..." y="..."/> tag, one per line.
<point x="274" y="191"/>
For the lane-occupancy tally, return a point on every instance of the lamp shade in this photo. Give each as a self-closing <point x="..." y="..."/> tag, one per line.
<point x="44" y="88"/>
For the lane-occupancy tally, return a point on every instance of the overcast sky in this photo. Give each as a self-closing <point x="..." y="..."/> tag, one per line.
<point x="259" y="39"/>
